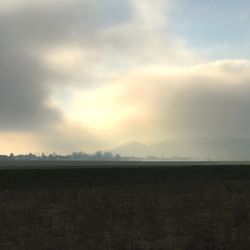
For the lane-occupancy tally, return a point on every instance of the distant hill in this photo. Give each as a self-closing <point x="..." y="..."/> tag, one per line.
<point x="197" y="148"/>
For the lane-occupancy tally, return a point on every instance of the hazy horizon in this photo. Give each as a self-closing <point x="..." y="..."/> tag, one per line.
<point x="92" y="75"/>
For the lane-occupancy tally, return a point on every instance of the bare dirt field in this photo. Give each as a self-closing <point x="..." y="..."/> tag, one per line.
<point x="130" y="206"/>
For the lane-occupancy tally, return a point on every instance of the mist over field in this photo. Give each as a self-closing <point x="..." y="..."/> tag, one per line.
<point x="208" y="149"/>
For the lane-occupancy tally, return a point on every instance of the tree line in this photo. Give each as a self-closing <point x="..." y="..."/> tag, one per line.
<point x="74" y="156"/>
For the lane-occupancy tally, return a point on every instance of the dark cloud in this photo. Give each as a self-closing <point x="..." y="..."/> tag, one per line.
<point x="212" y="101"/>
<point x="24" y="79"/>
<point x="202" y="111"/>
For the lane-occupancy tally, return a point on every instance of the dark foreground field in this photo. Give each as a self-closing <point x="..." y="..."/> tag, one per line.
<point x="132" y="208"/>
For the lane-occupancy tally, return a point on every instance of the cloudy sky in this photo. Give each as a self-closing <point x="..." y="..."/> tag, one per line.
<point x="92" y="74"/>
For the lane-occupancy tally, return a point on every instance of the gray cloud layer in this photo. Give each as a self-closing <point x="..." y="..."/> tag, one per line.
<point x="24" y="79"/>
<point x="212" y="100"/>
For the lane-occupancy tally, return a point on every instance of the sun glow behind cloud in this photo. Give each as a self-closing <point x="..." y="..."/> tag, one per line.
<point x="64" y="59"/>
<point x="100" y="109"/>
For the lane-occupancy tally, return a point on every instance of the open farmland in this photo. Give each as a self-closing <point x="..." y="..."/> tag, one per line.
<point x="124" y="205"/>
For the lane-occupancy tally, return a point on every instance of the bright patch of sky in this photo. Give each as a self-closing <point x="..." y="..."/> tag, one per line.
<point x="220" y="28"/>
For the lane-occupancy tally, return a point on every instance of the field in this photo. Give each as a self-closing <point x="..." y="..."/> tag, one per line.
<point x="119" y="205"/>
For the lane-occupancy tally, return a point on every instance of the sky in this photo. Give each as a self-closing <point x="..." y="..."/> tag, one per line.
<point x="93" y="74"/>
